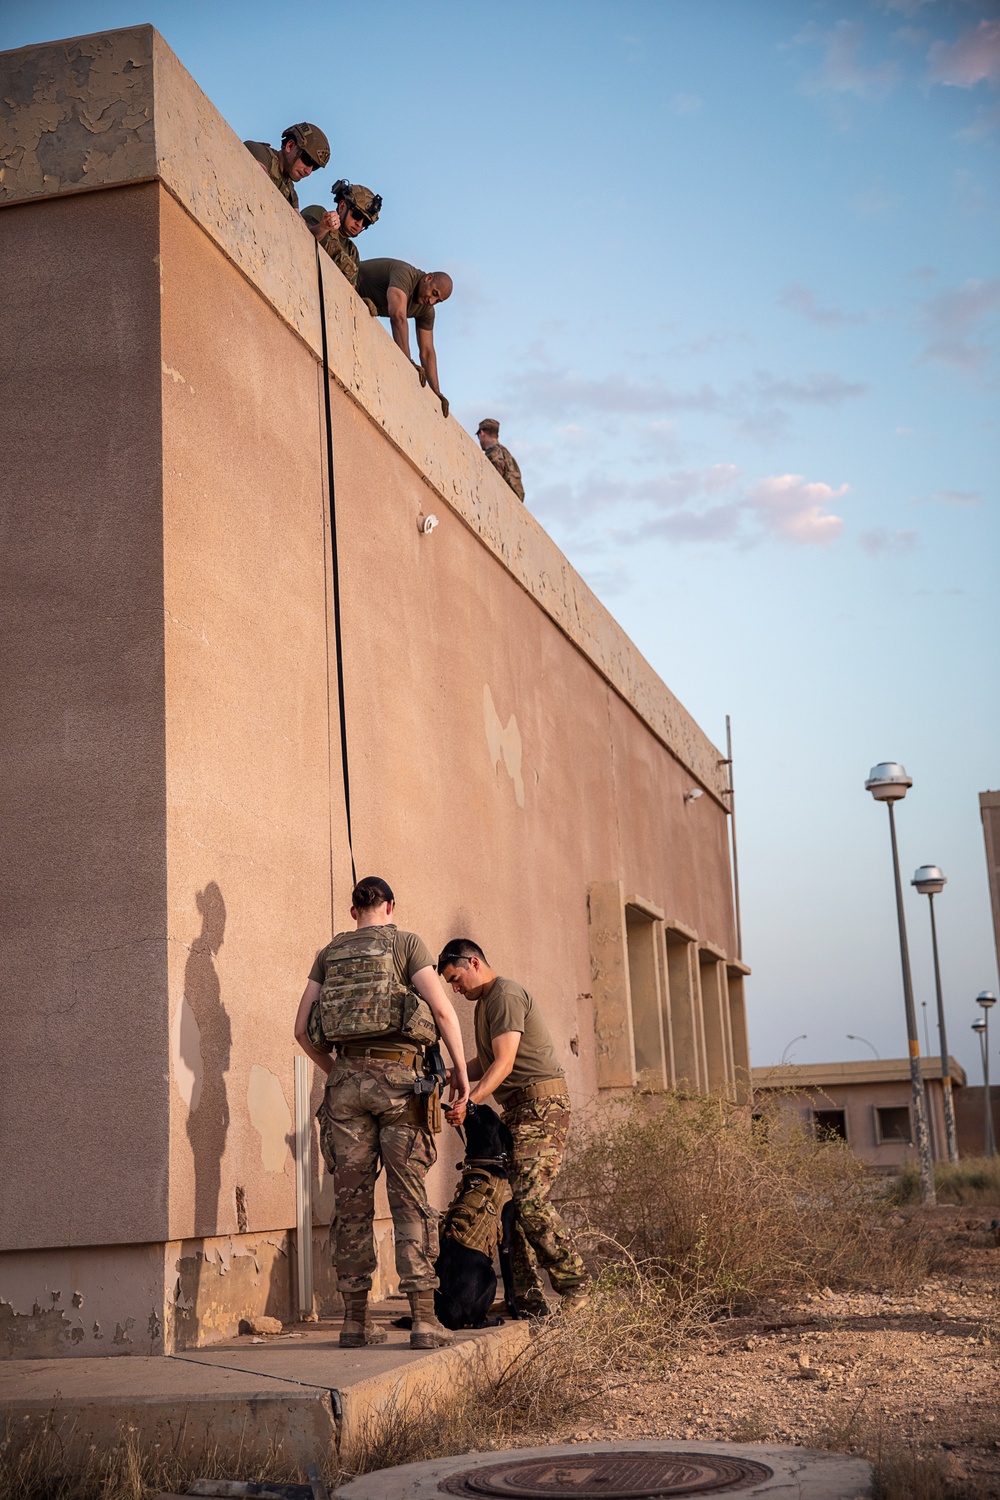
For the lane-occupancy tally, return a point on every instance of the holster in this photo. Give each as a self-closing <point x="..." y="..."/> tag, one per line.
<point x="428" y="1091"/>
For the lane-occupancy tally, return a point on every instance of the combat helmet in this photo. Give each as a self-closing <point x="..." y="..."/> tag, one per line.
<point x="367" y="203"/>
<point x="310" y="139"/>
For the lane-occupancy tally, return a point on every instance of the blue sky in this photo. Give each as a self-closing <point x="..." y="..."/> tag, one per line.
<point x="728" y="275"/>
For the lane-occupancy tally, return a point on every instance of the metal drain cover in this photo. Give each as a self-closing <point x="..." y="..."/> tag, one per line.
<point x="631" y="1475"/>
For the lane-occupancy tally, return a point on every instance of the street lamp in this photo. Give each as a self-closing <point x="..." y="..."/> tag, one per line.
<point x="888" y="783"/>
<point x="987" y="1000"/>
<point x="852" y="1038"/>
<point x="930" y="882"/>
<point x="802" y="1038"/>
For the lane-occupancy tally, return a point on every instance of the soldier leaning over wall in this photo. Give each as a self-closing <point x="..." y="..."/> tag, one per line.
<point x="304" y="149"/>
<point x="336" y="229"/>
<point x="374" y="996"/>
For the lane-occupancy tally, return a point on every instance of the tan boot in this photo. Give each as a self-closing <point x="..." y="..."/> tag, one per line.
<point x="427" y="1332"/>
<point x="358" y="1329"/>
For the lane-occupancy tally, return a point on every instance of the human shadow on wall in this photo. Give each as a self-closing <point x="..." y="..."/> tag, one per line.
<point x="208" y="1120"/>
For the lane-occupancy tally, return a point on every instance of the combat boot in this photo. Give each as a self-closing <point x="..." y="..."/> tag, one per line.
<point x="427" y="1332"/>
<point x="358" y="1329"/>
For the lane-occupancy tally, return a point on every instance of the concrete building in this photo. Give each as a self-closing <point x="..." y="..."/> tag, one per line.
<point x="866" y="1103"/>
<point x="174" y="791"/>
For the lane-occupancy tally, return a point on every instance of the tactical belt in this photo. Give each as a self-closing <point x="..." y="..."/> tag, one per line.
<point x="381" y="1054"/>
<point x="548" y="1088"/>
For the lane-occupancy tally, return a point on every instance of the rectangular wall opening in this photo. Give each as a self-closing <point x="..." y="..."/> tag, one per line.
<point x="892" y="1124"/>
<point x="830" y="1124"/>
<point x="685" y="1012"/>
<point x="642" y="939"/>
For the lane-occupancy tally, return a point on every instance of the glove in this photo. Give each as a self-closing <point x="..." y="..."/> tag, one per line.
<point x="445" y="408"/>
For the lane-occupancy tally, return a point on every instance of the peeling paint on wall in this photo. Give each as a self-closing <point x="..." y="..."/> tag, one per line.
<point x="270" y="1116"/>
<point x="185" y="1054"/>
<point x="504" y="741"/>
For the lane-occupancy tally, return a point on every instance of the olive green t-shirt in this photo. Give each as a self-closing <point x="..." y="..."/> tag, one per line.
<point x="375" y="277"/>
<point x="508" y="1007"/>
<point x="270" y="160"/>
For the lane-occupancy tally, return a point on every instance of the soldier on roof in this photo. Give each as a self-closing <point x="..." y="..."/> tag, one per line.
<point x="399" y="292"/>
<point x="336" y="229"/>
<point x="500" y="457"/>
<point x="304" y="148"/>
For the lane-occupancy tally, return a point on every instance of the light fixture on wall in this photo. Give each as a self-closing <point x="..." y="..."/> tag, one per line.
<point x="426" y="524"/>
<point x="693" y="794"/>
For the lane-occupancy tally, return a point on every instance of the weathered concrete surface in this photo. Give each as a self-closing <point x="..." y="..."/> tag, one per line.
<point x="798" y="1473"/>
<point x="297" y="1394"/>
<point x="117" y="107"/>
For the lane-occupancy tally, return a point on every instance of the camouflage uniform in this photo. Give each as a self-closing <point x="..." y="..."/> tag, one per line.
<point x="539" y="1128"/>
<point x="370" y="1118"/>
<point x="270" y="160"/>
<point x="339" y="247"/>
<point x="506" y="466"/>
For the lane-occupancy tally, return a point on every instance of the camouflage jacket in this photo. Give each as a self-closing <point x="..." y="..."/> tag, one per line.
<point x="339" y="247"/>
<point x="270" y="160"/>
<point x="506" y="466"/>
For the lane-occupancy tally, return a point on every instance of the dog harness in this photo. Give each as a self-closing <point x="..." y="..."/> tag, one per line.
<point x="473" y="1219"/>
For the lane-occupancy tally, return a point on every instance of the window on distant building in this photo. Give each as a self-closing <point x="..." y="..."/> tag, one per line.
<point x="893" y="1124"/>
<point x="830" y="1123"/>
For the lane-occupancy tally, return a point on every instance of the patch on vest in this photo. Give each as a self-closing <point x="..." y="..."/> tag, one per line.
<point x="473" y="1219"/>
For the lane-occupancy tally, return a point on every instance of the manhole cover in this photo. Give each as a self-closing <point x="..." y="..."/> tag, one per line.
<point x="634" y="1475"/>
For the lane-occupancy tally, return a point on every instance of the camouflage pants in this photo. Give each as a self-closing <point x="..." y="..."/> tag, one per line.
<point x="369" y="1119"/>
<point x="539" y="1128"/>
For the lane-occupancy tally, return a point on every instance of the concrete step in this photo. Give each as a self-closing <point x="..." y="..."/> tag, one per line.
<point x="296" y="1396"/>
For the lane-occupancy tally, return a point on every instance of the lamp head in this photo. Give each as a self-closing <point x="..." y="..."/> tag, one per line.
<point x="929" y="880"/>
<point x="986" y="999"/>
<point x="888" y="781"/>
<point x="979" y="1026"/>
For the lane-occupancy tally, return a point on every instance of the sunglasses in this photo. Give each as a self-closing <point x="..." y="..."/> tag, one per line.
<point x="356" y="213"/>
<point x="307" y="160"/>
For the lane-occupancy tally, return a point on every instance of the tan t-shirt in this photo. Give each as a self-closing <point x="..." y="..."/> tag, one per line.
<point x="375" y="277"/>
<point x="508" y="1007"/>
<point x="410" y="954"/>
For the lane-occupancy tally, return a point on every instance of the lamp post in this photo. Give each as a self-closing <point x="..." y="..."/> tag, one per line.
<point x="930" y="882"/>
<point x="802" y="1038"/>
<point x="852" y="1038"/>
<point x="888" y="783"/>
<point x="987" y="1000"/>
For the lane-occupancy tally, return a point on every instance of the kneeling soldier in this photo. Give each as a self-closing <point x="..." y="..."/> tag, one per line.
<point x="516" y="1062"/>
<point x="357" y="209"/>
<point x="373" y="994"/>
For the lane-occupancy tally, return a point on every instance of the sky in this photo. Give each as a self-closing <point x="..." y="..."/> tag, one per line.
<point x="727" y="273"/>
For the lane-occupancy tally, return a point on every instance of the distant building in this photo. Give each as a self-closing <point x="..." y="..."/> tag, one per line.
<point x="866" y="1103"/>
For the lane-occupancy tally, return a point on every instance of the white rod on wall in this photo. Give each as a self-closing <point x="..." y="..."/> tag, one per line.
<point x="303" y="1186"/>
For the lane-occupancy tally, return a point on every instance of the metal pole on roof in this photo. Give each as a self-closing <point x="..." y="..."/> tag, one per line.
<point x="732" y="827"/>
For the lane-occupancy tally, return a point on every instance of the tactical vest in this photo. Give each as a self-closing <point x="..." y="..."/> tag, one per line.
<point x="474" y="1216"/>
<point x="362" y="995"/>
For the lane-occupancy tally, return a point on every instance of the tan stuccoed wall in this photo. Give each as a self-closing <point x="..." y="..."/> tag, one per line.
<point x="173" y="724"/>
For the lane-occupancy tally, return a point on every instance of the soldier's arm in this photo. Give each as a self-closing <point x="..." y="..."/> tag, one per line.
<point x="429" y="987"/>
<point x="310" y="994"/>
<point x="504" y="1056"/>
<point x="428" y="358"/>
<point x="396" y="299"/>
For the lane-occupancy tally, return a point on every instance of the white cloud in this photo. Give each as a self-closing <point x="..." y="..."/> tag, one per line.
<point x="974" y="58"/>
<point x="842" y="71"/>
<point x="805" y="301"/>
<point x="951" y="497"/>
<point x="790" y="507"/>
<point x="953" y="318"/>
<point x="881" y="543"/>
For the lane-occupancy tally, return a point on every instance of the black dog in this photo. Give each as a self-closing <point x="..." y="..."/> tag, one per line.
<point x="468" y="1281"/>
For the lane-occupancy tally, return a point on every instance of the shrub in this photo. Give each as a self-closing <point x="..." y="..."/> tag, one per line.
<point x="976" y="1180"/>
<point x="723" y="1210"/>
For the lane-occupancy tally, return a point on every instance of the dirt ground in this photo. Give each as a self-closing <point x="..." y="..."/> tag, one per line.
<point x="849" y="1372"/>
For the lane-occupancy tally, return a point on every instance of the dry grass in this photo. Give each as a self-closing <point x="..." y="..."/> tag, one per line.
<point x="724" y="1211"/>
<point x="53" y="1465"/>
<point x="973" y="1181"/>
<point x="907" y="1466"/>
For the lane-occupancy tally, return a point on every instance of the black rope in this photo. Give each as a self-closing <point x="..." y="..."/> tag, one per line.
<point x="338" y="634"/>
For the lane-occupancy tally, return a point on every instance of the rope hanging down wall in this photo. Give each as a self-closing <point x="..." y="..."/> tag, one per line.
<point x="338" y="633"/>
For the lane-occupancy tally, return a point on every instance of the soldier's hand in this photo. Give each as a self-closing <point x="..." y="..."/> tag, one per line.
<point x="420" y="371"/>
<point x="445" y="408"/>
<point x="370" y="306"/>
<point x="330" y="222"/>
<point x="456" y="1114"/>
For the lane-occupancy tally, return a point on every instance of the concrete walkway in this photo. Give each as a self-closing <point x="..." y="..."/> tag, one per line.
<point x="295" y="1395"/>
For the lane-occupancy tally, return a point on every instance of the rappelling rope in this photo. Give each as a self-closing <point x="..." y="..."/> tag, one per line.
<point x="338" y="634"/>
